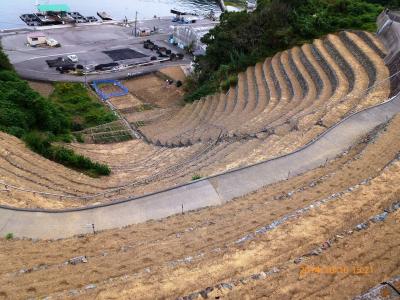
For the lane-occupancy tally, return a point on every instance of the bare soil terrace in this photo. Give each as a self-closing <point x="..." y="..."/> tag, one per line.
<point x="44" y="89"/>
<point x="187" y="253"/>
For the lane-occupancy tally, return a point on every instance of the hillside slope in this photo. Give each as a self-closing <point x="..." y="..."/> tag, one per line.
<point x="226" y="248"/>
<point x="277" y="107"/>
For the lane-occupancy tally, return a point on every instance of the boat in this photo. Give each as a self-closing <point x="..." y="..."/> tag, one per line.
<point x="104" y="16"/>
<point x="30" y="19"/>
<point x="182" y="13"/>
<point x="78" y="18"/>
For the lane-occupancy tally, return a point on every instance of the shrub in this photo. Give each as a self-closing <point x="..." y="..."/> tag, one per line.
<point x="196" y="177"/>
<point x="202" y="91"/>
<point x="22" y="109"/>
<point x="233" y="80"/>
<point x="9" y="236"/>
<point x="4" y="62"/>
<point x="41" y="144"/>
<point x="144" y="107"/>
<point x="79" y="137"/>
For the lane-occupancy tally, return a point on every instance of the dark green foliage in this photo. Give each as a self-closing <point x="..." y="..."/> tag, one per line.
<point x="4" y="62"/>
<point x="243" y="39"/>
<point x="41" y="143"/>
<point x="9" y="236"/>
<point x="40" y="122"/>
<point x="22" y="109"/>
<point x="79" y="137"/>
<point x="386" y="3"/>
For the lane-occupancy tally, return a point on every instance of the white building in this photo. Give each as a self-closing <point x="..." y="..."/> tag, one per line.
<point x="190" y="36"/>
<point x="143" y="31"/>
<point x="251" y="5"/>
<point x="36" y="38"/>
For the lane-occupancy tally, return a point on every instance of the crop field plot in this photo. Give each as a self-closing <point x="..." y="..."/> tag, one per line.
<point x="113" y="132"/>
<point x="154" y="89"/>
<point x="126" y="102"/>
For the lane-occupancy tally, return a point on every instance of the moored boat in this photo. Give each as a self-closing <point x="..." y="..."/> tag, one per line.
<point x="104" y="16"/>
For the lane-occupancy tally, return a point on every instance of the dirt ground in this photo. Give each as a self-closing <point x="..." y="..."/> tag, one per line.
<point x="187" y="253"/>
<point x="176" y="73"/>
<point x="44" y="89"/>
<point x="125" y="102"/>
<point x="154" y="90"/>
<point x="110" y="88"/>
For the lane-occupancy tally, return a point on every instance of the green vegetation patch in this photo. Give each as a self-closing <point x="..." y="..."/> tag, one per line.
<point x="196" y="177"/>
<point x="9" y="236"/>
<point x="139" y="123"/>
<point x="40" y="121"/>
<point x="41" y="143"/>
<point x="144" y="107"/>
<point x="81" y="109"/>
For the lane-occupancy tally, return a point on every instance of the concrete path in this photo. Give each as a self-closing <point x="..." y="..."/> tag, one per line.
<point x="210" y="191"/>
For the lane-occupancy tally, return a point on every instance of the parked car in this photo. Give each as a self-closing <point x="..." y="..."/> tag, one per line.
<point x="73" y="58"/>
<point x="66" y="68"/>
<point x="53" y="43"/>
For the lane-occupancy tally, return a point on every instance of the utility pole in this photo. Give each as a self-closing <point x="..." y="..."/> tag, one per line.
<point x="136" y="24"/>
<point x="85" y="78"/>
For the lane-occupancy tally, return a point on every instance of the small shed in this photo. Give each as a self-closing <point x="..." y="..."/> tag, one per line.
<point x="36" y="38"/>
<point x="143" y="31"/>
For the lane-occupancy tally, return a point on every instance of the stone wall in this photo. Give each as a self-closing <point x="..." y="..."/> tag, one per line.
<point x="389" y="33"/>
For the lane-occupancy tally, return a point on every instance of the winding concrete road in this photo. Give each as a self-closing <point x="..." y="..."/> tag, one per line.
<point x="210" y="191"/>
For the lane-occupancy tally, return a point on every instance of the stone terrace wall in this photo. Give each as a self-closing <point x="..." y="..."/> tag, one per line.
<point x="389" y="33"/>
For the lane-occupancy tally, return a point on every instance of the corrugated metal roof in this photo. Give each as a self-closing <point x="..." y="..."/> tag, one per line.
<point x="53" y="7"/>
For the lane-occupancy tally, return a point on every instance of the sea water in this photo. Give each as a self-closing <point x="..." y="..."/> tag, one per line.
<point x="10" y="10"/>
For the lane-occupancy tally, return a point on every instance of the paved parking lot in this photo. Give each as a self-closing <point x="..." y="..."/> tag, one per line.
<point x="88" y="42"/>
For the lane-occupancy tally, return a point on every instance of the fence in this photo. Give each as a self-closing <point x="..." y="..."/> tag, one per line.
<point x="105" y="96"/>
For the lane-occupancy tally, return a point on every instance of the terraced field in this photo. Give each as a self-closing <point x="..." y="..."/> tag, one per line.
<point x="303" y="89"/>
<point x="244" y="249"/>
<point x="278" y="106"/>
<point x="329" y="230"/>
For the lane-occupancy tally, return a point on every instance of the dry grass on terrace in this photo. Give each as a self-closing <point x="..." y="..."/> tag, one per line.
<point x="139" y="258"/>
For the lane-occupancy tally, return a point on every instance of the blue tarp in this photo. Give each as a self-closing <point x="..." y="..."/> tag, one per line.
<point x="104" y="96"/>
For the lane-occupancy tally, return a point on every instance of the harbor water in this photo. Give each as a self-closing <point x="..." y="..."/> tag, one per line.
<point x="10" y="10"/>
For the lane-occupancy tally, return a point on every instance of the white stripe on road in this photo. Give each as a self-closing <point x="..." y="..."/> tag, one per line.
<point x="59" y="54"/>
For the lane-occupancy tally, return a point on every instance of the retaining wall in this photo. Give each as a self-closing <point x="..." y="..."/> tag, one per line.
<point x="389" y="33"/>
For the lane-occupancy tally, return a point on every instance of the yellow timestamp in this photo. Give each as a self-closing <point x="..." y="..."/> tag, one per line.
<point x="324" y="270"/>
